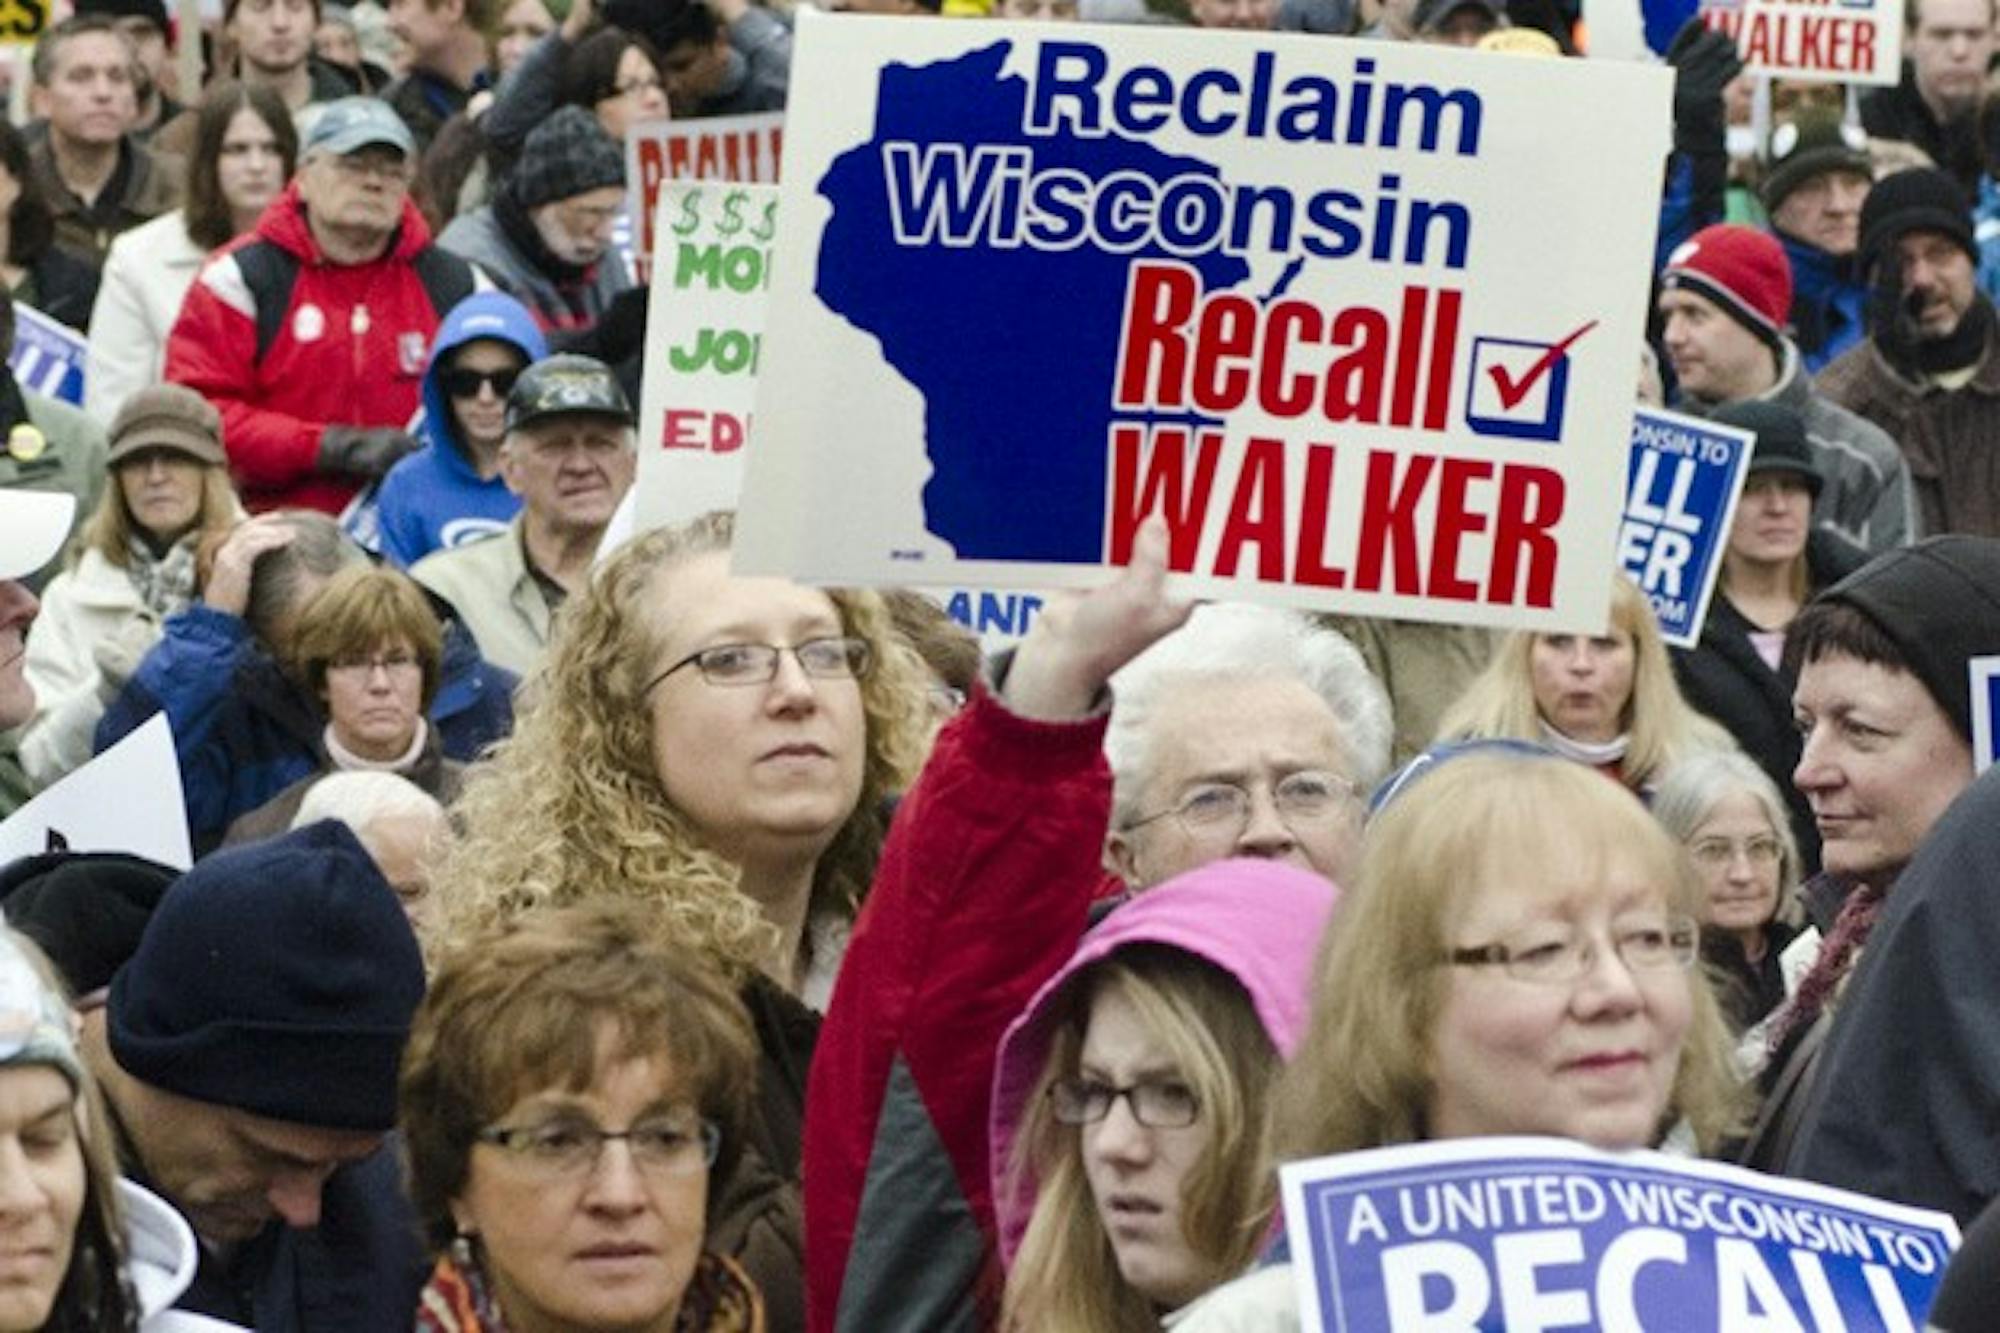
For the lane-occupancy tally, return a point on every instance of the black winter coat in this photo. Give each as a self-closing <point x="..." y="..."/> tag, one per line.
<point x="1724" y="678"/>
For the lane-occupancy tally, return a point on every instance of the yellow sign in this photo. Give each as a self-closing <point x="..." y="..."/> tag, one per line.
<point x="22" y="21"/>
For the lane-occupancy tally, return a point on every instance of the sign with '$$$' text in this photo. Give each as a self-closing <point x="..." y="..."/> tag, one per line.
<point x="1339" y="310"/>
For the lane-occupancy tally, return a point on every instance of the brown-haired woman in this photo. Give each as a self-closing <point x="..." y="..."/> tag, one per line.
<point x="369" y="648"/>
<point x="245" y="149"/>
<point x="574" y="1093"/>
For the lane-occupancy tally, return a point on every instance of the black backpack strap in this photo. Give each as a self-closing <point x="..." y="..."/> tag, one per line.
<point x="269" y="272"/>
<point x="447" y="279"/>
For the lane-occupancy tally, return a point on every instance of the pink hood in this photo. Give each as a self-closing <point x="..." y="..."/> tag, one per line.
<point x="1260" y="921"/>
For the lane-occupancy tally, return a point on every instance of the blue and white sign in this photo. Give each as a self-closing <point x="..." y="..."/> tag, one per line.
<point x="1331" y="307"/>
<point x="1525" y="1233"/>
<point x="48" y="357"/>
<point x="1681" y="488"/>
<point x="1985" y="673"/>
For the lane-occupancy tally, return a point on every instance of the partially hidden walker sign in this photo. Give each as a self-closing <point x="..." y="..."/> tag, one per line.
<point x="1335" y="308"/>
<point x="1846" y="41"/>
<point x="1682" y="484"/>
<point x="704" y="326"/>
<point x="1528" y="1233"/>
<point x="1984" y="678"/>
<point x="742" y="149"/>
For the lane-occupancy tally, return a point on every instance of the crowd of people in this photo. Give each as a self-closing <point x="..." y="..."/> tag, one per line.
<point x="587" y="937"/>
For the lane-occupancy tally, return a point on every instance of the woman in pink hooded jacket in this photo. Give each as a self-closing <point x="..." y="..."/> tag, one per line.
<point x="1132" y="1102"/>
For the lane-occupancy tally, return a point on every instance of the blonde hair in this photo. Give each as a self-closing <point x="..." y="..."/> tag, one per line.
<point x="1065" y="1277"/>
<point x="571" y="806"/>
<point x="1361" y="1078"/>
<point x="1659" y="725"/>
<point x="110" y="528"/>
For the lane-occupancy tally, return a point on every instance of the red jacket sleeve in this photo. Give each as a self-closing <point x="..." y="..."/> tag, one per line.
<point x="212" y="349"/>
<point x="983" y="891"/>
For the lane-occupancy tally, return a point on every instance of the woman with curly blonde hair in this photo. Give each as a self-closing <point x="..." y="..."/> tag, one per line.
<point x="719" y="748"/>
<point x="1606" y="700"/>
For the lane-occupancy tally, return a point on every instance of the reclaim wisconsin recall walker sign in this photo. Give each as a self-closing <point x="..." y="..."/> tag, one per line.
<point x="1340" y="309"/>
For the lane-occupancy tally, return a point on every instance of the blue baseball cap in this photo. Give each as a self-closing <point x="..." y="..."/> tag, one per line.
<point x="353" y="123"/>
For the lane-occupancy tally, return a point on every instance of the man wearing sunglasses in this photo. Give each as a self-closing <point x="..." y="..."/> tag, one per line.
<point x="450" y="492"/>
<point x="569" y="455"/>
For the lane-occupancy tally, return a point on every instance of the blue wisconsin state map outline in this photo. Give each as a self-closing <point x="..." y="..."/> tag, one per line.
<point x="1013" y="350"/>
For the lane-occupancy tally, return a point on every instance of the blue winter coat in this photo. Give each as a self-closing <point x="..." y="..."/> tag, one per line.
<point x="244" y="731"/>
<point x="435" y="498"/>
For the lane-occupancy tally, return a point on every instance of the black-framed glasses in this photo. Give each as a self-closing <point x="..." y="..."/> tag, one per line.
<point x="1156" y="1103"/>
<point x="843" y="658"/>
<point x="665" y="1146"/>
<point x="1221" y="810"/>
<point x="464" y="382"/>
<point x="1556" y="953"/>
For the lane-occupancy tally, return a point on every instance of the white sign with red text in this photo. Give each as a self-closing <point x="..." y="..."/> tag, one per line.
<point x="742" y="149"/>
<point x="1332" y="306"/>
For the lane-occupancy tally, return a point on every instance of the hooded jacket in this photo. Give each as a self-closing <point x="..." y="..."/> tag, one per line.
<point x="161" y="1259"/>
<point x="1259" y="921"/>
<point x="435" y="498"/>
<point x="350" y="350"/>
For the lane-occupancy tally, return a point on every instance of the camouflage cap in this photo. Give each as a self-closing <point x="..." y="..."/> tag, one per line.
<point x="566" y="384"/>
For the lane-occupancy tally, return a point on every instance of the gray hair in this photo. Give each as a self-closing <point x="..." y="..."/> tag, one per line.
<point x="318" y="549"/>
<point x="1224" y="644"/>
<point x="1694" y="786"/>
<point x="359" y="799"/>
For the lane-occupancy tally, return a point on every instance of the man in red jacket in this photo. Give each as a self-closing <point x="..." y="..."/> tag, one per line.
<point x="311" y="333"/>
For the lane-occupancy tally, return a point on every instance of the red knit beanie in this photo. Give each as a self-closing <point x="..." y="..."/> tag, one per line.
<point x="1742" y="270"/>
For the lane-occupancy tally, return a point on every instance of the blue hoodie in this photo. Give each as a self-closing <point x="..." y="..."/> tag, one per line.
<point x="434" y="498"/>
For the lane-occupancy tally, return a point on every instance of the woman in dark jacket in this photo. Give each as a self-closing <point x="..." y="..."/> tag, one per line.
<point x="1774" y="563"/>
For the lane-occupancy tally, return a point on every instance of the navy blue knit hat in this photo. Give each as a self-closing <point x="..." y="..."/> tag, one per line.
<point x="277" y="978"/>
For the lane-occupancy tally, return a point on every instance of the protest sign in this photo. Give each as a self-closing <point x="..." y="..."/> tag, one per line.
<point x="1985" y="673"/>
<point x="704" y="324"/>
<point x="1532" y="1233"/>
<point x="1315" y="300"/>
<point x="1852" y="41"/>
<point x="127" y="799"/>
<point x="48" y="357"/>
<point x="1682" y="485"/>
<point x="741" y="149"/>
